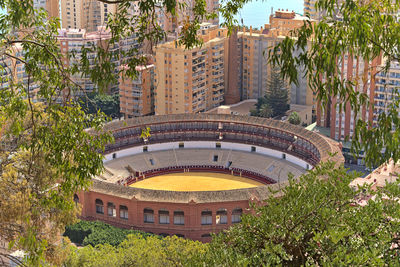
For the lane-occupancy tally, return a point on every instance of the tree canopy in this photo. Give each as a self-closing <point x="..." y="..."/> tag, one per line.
<point x="139" y="251"/>
<point x="294" y="118"/>
<point x="315" y="222"/>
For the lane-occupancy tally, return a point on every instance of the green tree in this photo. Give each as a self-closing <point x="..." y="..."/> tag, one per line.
<point x="365" y="31"/>
<point x="46" y="152"/>
<point x="95" y="233"/>
<point x="294" y="118"/>
<point x="315" y="222"/>
<point x="266" y="111"/>
<point x="277" y="95"/>
<point x="139" y="251"/>
<point x="108" y="104"/>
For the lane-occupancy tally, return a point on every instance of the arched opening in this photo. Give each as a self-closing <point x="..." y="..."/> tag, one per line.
<point x="123" y="212"/>
<point x="99" y="206"/>
<point x="111" y="210"/>
<point x="206" y="217"/>
<point x="222" y="216"/>
<point x="236" y="215"/>
<point x="163" y="216"/>
<point x="148" y="215"/>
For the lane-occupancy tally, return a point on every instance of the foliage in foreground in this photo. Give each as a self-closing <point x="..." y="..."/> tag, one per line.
<point x="139" y="251"/>
<point x="367" y="31"/>
<point x="315" y="222"/>
<point x="96" y="233"/>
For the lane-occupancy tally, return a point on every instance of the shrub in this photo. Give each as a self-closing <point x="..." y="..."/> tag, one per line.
<point x="95" y="233"/>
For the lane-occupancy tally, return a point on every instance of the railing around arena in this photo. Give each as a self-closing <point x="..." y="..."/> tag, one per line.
<point x="197" y="168"/>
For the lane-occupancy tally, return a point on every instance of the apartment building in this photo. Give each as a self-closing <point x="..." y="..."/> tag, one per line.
<point x="284" y="21"/>
<point x="342" y="122"/>
<point x="136" y="95"/>
<point x="85" y="14"/>
<point x="311" y="10"/>
<point x="255" y="70"/>
<point x="51" y="6"/>
<point x="73" y="40"/>
<point x="386" y="89"/>
<point x="191" y="80"/>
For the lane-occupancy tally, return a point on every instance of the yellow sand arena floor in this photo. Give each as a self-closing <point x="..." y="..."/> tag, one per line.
<point x="196" y="181"/>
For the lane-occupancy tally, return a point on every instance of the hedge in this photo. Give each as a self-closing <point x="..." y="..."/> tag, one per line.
<point x="95" y="233"/>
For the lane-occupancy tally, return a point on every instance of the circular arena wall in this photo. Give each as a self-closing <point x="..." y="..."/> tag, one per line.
<point x="194" y="214"/>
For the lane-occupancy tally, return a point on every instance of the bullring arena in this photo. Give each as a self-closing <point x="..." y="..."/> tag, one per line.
<point x="196" y="173"/>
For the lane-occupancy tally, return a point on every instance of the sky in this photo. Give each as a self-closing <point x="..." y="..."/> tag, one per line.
<point x="256" y="13"/>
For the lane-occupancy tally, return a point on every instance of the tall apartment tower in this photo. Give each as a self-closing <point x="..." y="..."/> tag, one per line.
<point x="342" y="122"/>
<point x="191" y="81"/>
<point x="386" y="87"/>
<point x="51" y="6"/>
<point x="72" y="41"/>
<point x="309" y="8"/>
<point x="85" y="14"/>
<point x="136" y="95"/>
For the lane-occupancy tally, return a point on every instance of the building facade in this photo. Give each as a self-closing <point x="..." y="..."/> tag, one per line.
<point x="342" y="120"/>
<point x="85" y="14"/>
<point x="191" y="80"/>
<point x="137" y="95"/>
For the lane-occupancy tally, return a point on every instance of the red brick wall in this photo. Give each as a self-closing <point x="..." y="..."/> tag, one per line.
<point x="192" y="228"/>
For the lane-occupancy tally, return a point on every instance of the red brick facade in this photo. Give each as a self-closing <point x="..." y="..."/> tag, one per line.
<point x="192" y="227"/>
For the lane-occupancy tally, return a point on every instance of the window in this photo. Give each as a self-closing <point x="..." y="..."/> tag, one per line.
<point x="181" y="145"/>
<point x="111" y="210"/>
<point x="222" y="217"/>
<point x="179" y="218"/>
<point x="163" y="216"/>
<point x="253" y="149"/>
<point x="123" y="212"/>
<point x="217" y="145"/>
<point x="236" y="214"/>
<point x="145" y="149"/>
<point x="206" y="217"/>
<point x="215" y="159"/>
<point x="99" y="206"/>
<point x="148" y="215"/>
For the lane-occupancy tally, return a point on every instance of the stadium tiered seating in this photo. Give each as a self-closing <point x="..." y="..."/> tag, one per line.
<point x="159" y="162"/>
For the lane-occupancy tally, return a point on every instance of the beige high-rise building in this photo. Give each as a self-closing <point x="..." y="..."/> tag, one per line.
<point x="51" y="6"/>
<point x="311" y="10"/>
<point x="85" y="14"/>
<point x="191" y="80"/>
<point x="136" y="95"/>
<point x="253" y="47"/>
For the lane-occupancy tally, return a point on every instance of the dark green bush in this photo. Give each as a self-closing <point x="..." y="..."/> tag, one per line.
<point x="94" y="233"/>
